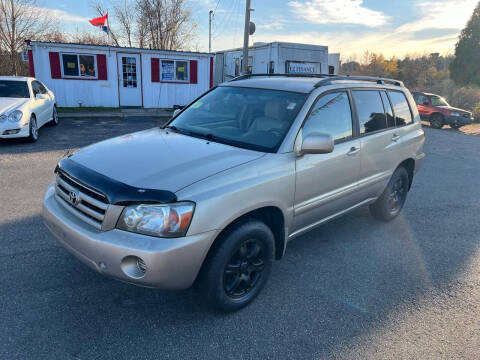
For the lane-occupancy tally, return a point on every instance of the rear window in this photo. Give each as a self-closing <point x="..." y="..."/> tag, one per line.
<point x="403" y="115"/>
<point x="14" y="89"/>
<point x="370" y="111"/>
<point x="388" y="109"/>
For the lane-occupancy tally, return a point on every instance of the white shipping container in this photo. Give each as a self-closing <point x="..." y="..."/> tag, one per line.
<point x="273" y="58"/>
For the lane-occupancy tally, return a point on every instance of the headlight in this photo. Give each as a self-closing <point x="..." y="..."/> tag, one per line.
<point x="162" y="220"/>
<point x="455" y="113"/>
<point x="3" y="118"/>
<point x="15" y="116"/>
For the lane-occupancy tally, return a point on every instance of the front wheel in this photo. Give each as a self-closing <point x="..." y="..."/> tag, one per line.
<point x="238" y="268"/>
<point x="436" y="121"/>
<point x="33" y="130"/>
<point x="391" y="202"/>
<point x="456" y="126"/>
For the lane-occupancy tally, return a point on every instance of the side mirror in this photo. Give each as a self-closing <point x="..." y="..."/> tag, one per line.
<point x="426" y="103"/>
<point x="175" y="112"/>
<point x="317" y="143"/>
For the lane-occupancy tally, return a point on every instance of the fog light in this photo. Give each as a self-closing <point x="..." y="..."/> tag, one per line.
<point x="133" y="266"/>
<point x="11" y="132"/>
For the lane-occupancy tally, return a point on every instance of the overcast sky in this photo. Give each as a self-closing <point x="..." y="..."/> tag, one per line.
<point x="391" y="27"/>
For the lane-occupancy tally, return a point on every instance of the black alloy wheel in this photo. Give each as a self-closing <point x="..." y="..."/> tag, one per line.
<point x="393" y="198"/>
<point x="397" y="195"/>
<point x="238" y="265"/>
<point x="244" y="269"/>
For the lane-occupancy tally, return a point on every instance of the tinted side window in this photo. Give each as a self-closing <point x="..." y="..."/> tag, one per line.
<point x="420" y="99"/>
<point x="38" y="87"/>
<point x="370" y="111"/>
<point x="403" y="115"/>
<point x="331" y="115"/>
<point x="35" y="88"/>
<point x="388" y="109"/>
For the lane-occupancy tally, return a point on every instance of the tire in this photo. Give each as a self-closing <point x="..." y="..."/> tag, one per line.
<point x="436" y="121"/>
<point x="33" y="129"/>
<point x="237" y="269"/>
<point x="456" y="126"/>
<point x="391" y="202"/>
<point x="54" y="120"/>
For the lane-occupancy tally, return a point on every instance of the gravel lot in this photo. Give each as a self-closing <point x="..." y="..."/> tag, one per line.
<point x="353" y="289"/>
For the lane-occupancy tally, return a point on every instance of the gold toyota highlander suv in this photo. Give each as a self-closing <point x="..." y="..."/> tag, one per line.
<point x="212" y="198"/>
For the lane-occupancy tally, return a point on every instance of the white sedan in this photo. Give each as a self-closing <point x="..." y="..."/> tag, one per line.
<point x="25" y="105"/>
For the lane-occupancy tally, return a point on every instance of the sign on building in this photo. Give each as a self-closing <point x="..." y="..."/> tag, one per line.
<point x="301" y="67"/>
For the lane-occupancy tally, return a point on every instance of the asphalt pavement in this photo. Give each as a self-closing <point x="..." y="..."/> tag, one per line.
<point x="355" y="288"/>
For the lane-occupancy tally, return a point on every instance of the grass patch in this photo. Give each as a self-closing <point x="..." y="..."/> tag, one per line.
<point x="87" y="109"/>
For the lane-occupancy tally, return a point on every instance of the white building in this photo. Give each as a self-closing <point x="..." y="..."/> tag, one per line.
<point x="276" y="58"/>
<point x="107" y="76"/>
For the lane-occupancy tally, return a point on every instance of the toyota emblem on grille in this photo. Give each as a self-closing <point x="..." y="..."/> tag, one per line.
<point x="73" y="198"/>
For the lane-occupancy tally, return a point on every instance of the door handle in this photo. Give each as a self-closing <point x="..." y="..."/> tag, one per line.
<point x="353" y="150"/>
<point x="395" y="137"/>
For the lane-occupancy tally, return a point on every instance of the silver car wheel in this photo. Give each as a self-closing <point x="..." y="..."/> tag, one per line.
<point x="55" y="116"/>
<point x="33" y="129"/>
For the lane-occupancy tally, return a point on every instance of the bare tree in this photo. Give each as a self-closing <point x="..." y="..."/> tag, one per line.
<point x="167" y="23"/>
<point x="125" y="15"/>
<point x="88" y="38"/>
<point x="20" y="20"/>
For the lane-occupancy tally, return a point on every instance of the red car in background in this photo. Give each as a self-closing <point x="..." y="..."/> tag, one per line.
<point x="438" y="112"/>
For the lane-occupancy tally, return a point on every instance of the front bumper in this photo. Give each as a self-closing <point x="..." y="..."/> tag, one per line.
<point x="170" y="263"/>
<point x="24" y="130"/>
<point x="459" y="120"/>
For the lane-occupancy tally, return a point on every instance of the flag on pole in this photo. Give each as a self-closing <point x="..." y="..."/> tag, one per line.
<point x="100" y="21"/>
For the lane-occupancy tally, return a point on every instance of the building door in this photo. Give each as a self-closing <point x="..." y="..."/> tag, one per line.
<point x="130" y="84"/>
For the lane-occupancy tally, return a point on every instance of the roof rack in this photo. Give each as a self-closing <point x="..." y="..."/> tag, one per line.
<point x="248" y="76"/>
<point x="378" y="80"/>
<point x="327" y="79"/>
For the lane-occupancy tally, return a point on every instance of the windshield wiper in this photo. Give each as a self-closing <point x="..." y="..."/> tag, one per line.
<point x="207" y="136"/>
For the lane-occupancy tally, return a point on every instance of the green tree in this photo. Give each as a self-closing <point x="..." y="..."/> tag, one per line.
<point x="465" y="69"/>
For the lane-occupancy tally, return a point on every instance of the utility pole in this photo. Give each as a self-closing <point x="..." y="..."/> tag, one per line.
<point x="210" y="31"/>
<point x="245" y="37"/>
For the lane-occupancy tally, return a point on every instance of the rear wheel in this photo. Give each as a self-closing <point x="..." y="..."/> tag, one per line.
<point x="391" y="202"/>
<point x="238" y="268"/>
<point x="436" y="121"/>
<point x="33" y="129"/>
<point x="54" y="120"/>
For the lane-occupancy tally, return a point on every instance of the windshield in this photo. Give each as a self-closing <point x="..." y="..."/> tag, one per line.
<point x="14" y="89"/>
<point x="255" y="119"/>
<point x="438" y="101"/>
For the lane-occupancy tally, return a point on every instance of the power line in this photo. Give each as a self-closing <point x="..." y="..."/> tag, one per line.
<point x="218" y="2"/>
<point x="226" y="19"/>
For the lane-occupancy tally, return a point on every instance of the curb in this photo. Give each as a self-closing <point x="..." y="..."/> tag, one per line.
<point x="109" y="115"/>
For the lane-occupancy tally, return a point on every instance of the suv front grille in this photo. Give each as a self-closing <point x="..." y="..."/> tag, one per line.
<point x="80" y="200"/>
